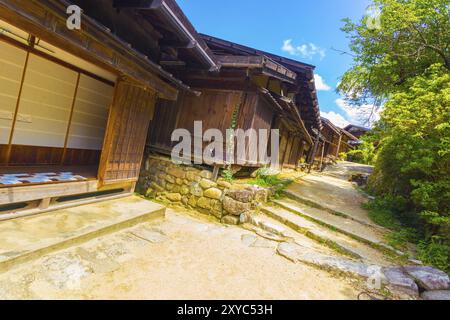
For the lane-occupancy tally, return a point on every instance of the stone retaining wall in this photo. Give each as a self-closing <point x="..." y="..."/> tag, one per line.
<point x="194" y="188"/>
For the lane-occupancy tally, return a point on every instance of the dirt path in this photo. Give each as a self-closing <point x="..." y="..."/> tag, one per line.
<point x="331" y="189"/>
<point x="183" y="257"/>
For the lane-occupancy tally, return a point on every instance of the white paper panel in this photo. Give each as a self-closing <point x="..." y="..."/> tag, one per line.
<point x="90" y="114"/>
<point x="46" y="100"/>
<point x="12" y="62"/>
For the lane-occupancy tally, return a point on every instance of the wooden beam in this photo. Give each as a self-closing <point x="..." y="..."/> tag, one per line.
<point x="16" y="110"/>
<point x="47" y="21"/>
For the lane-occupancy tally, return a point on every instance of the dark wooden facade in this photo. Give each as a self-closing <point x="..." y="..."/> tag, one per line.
<point x="357" y="131"/>
<point x="266" y="94"/>
<point x="117" y="55"/>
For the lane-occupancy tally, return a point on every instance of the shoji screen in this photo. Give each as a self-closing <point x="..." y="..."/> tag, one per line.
<point x="90" y="114"/>
<point x="45" y="104"/>
<point x="12" y="62"/>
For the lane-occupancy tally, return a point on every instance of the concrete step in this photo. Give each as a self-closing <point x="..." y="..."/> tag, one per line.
<point x="25" y="239"/>
<point x="337" y="241"/>
<point x="314" y="204"/>
<point x="359" y="231"/>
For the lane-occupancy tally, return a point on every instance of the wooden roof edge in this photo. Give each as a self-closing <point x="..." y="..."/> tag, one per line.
<point x="330" y="125"/>
<point x="175" y="17"/>
<point x="268" y="66"/>
<point x="93" y="29"/>
<point x="301" y="66"/>
<point x="293" y="109"/>
<point x="350" y="126"/>
<point x="348" y="134"/>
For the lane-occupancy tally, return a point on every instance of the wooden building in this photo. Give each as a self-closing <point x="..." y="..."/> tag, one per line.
<point x="331" y="139"/>
<point x="261" y="90"/>
<point x="348" y="141"/>
<point x="75" y="105"/>
<point x="357" y="131"/>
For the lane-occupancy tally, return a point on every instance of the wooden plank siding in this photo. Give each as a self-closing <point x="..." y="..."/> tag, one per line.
<point x="128" y="122"/>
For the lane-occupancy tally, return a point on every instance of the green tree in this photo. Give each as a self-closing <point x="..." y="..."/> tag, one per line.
<point x="413" y="35"/>
<point x="404" y="66"/>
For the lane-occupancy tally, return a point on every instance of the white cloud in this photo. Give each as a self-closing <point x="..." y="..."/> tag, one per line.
<point x="306" y="50"/>
<point x="320" y="83"/>
<point x="364" y="115"/>
<point x="337" y="119"/>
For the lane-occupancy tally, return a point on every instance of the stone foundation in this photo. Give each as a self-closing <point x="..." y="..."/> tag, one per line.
<point x="194" y="188"/>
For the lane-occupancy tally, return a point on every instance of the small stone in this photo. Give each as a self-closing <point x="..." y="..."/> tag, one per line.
<point x="169" y="186"/>
<point x="185" y="200"/>
<point x="157" y="187"/>
<point x="176" y="172"/>
<point x="179" y="181"/>
<point x="224" y="184"/>
<point x="193" y="176"/>
<point x="196" y="190"/>
<point x="213" y="193"/>
<point x="230" y="220"/>
<point x="206" y="184"/>
<point x="184" y="190"/>
<point x="175" y="197"/>
<point x="245" y="217"/>
<point x="400" y="283"/>
<point x="235" y="207"/>
<point x="288" y="250"/>
<point x="240" y="195"/>
<point x="206" y="174"/>
<point x="428" y="278"/>
<point x="170" y="179"/>
<point x="192" y="201"/>
<point x="204" y="203"/>
<point x="436" y="295"/>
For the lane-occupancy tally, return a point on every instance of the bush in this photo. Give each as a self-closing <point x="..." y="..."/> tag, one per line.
<point x="434" y="253"/>
<point x="265" y="177"/>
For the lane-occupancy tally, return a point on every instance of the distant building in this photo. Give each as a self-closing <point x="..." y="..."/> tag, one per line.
<point x="357" y="131"/>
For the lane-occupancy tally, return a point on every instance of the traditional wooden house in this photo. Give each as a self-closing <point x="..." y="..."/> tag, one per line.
<point x="348" y="141"/>
<point x="253" y="89"/>
<point x="331" y="139"/>
<point x="75" y="105"/>
<point x="357" y="131"/>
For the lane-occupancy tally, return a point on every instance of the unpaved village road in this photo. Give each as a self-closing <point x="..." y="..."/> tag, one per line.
<point x="183" y="257"/>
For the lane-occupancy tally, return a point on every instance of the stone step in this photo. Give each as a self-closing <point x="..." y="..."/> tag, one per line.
<point x="337" y="241"/>
<point x="296" y="197"/>
<point x="28" y="238"/>
<point x="349" y="227"/>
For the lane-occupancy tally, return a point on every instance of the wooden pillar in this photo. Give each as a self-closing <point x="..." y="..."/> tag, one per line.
<point x="338" y="146"/>
<point x="312" y="155"/>
<point x="321" y="156"/>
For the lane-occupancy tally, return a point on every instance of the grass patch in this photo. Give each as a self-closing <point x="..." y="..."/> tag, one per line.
<point x="391" y="213"/>
<point x="264" y="178"/>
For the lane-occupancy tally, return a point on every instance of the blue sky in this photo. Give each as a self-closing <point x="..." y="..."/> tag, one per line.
<point x="312" y="29"/>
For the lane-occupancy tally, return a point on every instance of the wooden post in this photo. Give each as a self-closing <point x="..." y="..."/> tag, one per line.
<point x="312" y="155"/>
<point x="338" y="146"/>
<point x="44" y="203"/>
<point x="321" y="157"/>
<point x="215" y="174"/>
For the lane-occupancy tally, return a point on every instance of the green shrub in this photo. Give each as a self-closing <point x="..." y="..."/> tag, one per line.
<point x="228" y="175"/>
<point x="266" y="178"/>
<point x="434" y="253"/>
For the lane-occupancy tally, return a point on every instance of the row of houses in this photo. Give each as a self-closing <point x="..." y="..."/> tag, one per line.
<point x="78" y="108"/>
